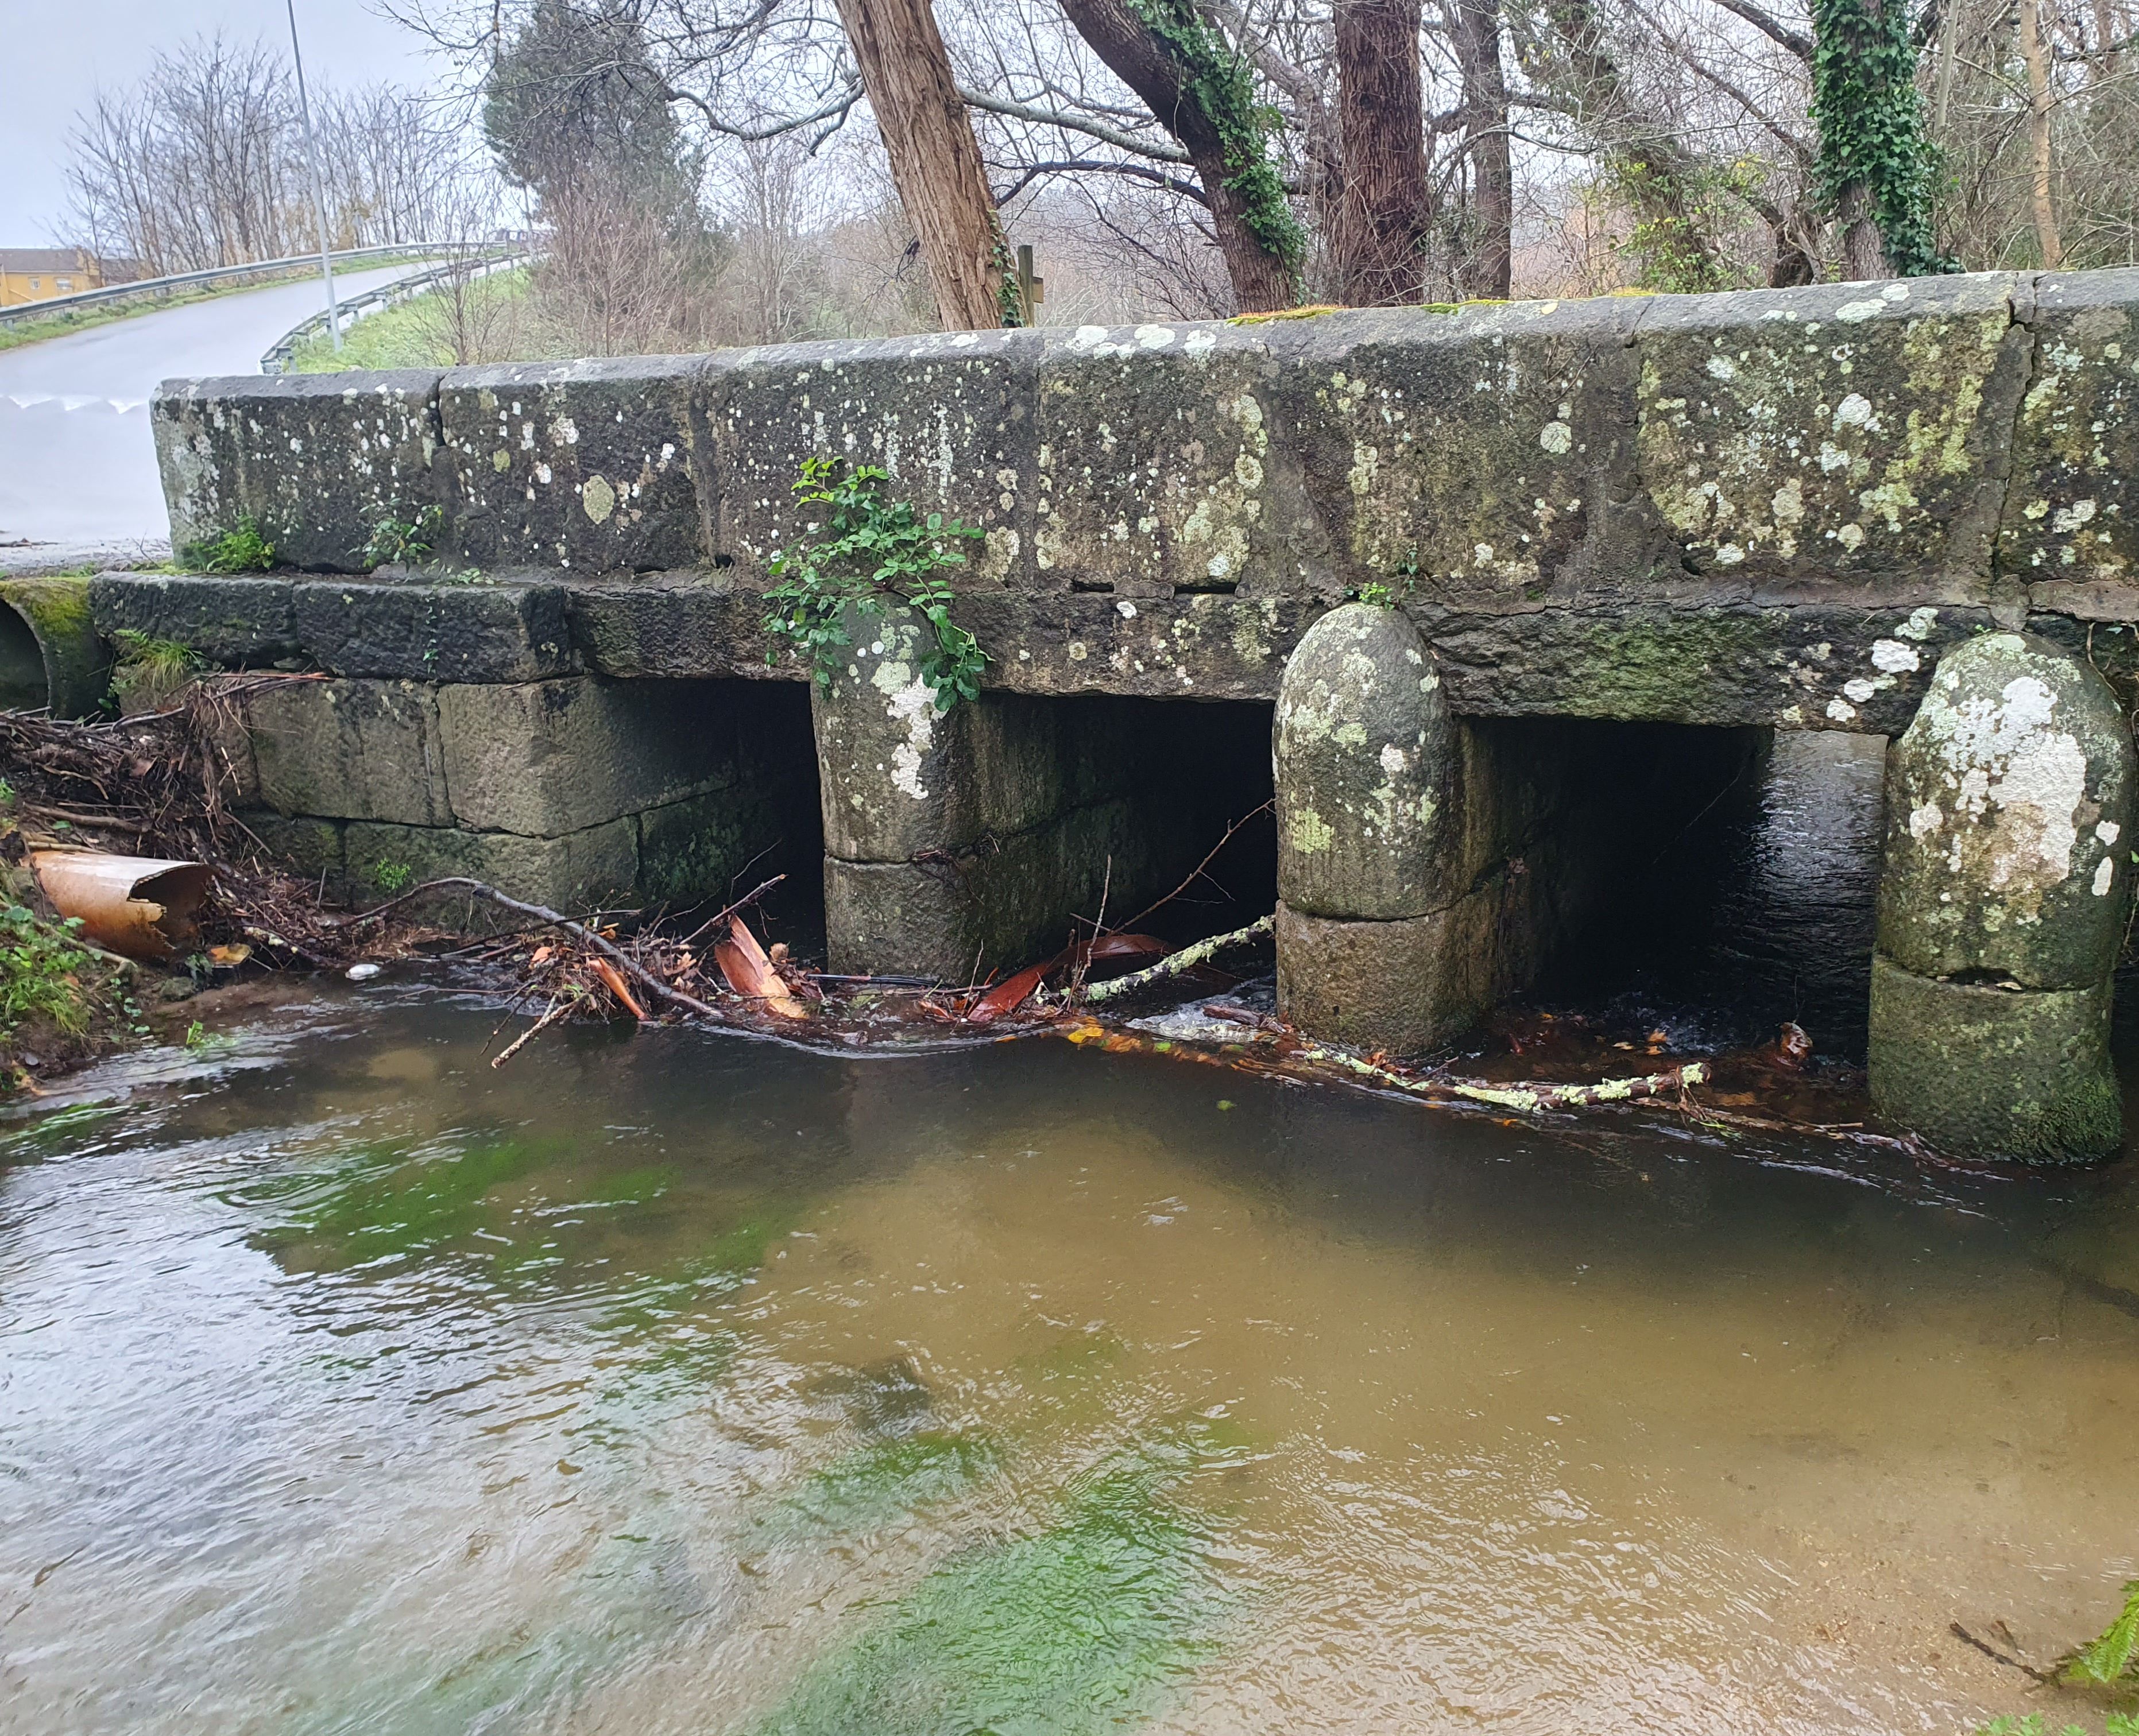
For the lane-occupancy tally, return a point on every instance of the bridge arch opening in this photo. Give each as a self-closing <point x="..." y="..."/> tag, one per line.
<point x="23" y="685"/>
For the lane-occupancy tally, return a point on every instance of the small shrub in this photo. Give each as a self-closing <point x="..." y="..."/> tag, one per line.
<point x="404" y="542"/>
<point x="1390" y="593"/>
<point x="40" y="972"/>
<point x="392" y="876"/>
<point x="875" y="550"/>
<point x="243" y="550"/>
<point x="150" y="670"/>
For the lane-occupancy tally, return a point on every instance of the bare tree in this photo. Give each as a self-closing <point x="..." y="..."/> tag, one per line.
<point x="198" y="165"/>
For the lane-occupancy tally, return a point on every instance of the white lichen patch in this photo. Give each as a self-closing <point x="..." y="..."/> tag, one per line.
<point x="910" y="706"/>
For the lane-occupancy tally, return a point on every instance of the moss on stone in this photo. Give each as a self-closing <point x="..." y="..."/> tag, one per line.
<point x="1663" y="667"/>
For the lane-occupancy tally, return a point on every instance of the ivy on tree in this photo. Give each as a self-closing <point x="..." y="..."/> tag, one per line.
<point x="1217" y="75"/>
<point x="1871" y="122"/>
<point x="874" y="550"/>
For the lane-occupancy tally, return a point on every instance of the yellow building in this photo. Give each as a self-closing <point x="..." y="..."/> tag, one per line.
<point x="37" y="274"/>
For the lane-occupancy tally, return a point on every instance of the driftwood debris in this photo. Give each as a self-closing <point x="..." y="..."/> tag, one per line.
<point x="1177" y="964"/>
<point x="580" y="932"/>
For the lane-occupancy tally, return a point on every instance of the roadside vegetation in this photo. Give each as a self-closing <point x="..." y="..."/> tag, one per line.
<point x="65" y="321"/>
<point x="492" y="319"/>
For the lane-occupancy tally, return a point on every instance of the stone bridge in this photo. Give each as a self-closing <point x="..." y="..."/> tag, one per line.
<point x="1729" y="514"/>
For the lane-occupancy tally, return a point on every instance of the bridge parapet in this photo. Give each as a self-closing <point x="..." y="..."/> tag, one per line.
<point x="1741" y="508"/>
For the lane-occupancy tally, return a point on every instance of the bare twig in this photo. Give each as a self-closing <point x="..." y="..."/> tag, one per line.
<point x="748" y="898"/>
<point x="556" y="1009"/>
<point x="1197" y="874"/>
<point x="616" y="954"/>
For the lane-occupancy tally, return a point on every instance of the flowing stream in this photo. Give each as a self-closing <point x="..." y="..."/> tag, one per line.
<point x="681" y="1382"/>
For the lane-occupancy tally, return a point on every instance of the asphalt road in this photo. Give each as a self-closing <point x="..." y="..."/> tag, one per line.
<point x="77" y="466"/>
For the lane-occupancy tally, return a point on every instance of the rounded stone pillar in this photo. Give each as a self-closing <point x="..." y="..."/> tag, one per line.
<point x="966" y="838"/>
<point x="1370" y="819"/>
<point x="2004" y="883"/>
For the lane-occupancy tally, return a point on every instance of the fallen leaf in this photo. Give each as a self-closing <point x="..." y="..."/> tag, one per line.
<point x="749" y="973"/>
<point x="228" y="958"/>
<point x="612" y="979"/>
<point x="1011" y="994"/>
<point x="542" y="957"/>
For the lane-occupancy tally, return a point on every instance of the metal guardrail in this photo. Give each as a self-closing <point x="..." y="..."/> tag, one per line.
<point x="278" y="358"/>
<point x="162" y="286"/>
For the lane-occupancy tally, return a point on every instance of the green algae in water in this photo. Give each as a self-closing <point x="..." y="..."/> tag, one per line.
<point x="1086" y="1626"/>
<point x="394" y="1201"/>
<point x="885" y="1482"/>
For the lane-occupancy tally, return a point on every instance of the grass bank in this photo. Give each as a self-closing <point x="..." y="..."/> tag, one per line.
<point x="496" y="322"/>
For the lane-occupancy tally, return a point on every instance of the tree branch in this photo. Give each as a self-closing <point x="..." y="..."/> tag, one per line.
<point x="1771" y="27"/>
<point x="1074" y="124"/>
<point x="837" y="107"/>
<point x="1094" y="165"/>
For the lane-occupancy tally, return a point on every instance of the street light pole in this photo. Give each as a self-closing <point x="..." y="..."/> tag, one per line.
<point x="319" y="193"/>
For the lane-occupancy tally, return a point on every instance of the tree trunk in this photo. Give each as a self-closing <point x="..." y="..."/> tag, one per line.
<point x="1383" y="205"/>
<point x="1140" y="57"/>
<point x="1864" y="250"/>
<point x="1487" y="271"/>
<point x="935" y="161"/>
<point x="2036" y="53"/>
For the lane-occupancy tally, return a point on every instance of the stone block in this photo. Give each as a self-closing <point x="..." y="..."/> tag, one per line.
<point x="1485" y="450"/>
<point x="690" y="852"/>
<point x="949" y="415"/>
<point x="479" y="631"/>
<point x="1003" y="907"/>
<point x="299" y="844"/>
<point x="554" y="756"/>
<point x="317" y="460"/>
<point x="1157" y="471"/>
<point x="350" y="750"/>
<point x="1201" y="645"/>
<point x="1994" y="1073"/>
<point x="2008" y="822"/>
<point x="1846" y="438"/>
<point x="584" y="465"/>
<point x="1405" y="986"/>
<point x="1369" y="815"/>
<point x="225" y="736"/>
<point x="595" y="867"/>
<point x="1811" y="667"/>
<point x="233" y="621"/>
<point x="2071" y="525"/>
<point x="682" y="623"/>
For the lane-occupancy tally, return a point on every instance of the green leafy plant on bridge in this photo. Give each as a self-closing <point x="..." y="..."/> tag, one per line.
<point x="404" y="542"/>
<point x="241" y="549"/>
<point x="875" y="550"/>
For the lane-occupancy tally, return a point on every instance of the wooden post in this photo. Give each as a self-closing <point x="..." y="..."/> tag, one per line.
<point x="1031" y="287"/>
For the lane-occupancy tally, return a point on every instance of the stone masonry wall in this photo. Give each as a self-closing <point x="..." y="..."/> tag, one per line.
<point x="575" y="792"/>
<point x="1768" y="507"/>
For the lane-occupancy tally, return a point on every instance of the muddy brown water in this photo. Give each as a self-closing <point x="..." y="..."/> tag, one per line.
<point x="681" y="1382"/>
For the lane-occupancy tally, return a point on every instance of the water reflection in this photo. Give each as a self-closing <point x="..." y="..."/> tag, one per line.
<point x="678" y="1383"/>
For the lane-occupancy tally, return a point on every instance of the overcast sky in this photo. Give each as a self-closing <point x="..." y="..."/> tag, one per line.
<point x="54" y="54"/>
